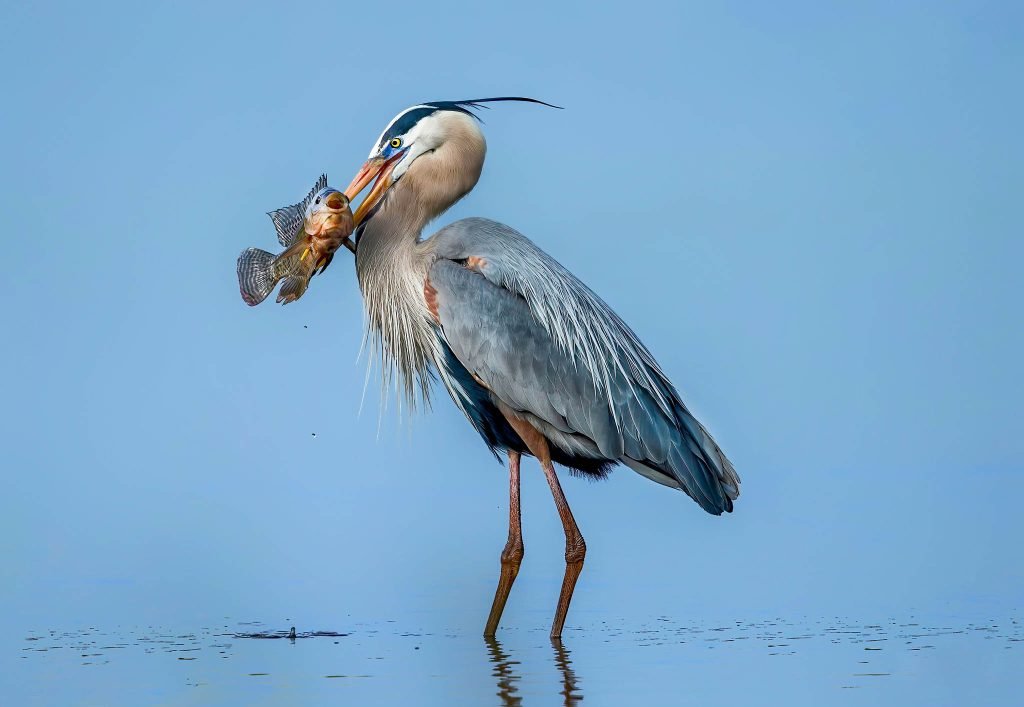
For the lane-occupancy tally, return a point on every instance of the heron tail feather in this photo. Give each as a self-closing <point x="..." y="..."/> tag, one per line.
<point x="700" y="458"/>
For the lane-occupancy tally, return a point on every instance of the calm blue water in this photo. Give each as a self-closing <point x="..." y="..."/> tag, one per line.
<point x="905" y="660"/>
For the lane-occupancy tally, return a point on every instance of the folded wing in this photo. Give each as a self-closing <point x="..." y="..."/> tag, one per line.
<point x="550" y="350"/>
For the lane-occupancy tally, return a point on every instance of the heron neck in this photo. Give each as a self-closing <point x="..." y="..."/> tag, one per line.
<point x="389" y="251"/>
<point x="392" y="261"/>
<point x="392" y="264"/>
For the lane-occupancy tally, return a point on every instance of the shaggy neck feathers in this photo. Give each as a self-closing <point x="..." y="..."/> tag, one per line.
<point x="392" y="262"/>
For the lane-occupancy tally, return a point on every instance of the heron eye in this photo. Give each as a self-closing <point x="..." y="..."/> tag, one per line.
<point x="396" y="142"/>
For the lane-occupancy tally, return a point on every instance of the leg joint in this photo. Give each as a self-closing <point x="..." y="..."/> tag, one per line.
<point x="575" y="550"/>
<point x="513" y="553"/>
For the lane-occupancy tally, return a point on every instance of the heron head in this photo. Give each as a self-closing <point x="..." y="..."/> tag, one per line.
<point x="420" y="135"/>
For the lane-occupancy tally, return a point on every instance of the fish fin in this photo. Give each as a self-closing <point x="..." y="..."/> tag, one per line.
<point x="256" y="275"/>
<point x="289" y="220"/>
<point x="294" y="266"/>
<point x="323" y="263"/>
<point x="295" y="250"/>
<point x="292" y="288"/>
<point x="320" y="184"/>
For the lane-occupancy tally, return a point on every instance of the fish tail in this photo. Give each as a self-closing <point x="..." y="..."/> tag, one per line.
<point x="257" y="275"/>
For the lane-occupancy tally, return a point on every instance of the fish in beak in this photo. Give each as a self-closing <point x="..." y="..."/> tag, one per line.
<point x="311" y="232"/>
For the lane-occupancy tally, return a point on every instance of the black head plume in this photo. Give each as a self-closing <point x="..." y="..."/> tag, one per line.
<point x="468" y="106"/>
<point x="408" y="118"/>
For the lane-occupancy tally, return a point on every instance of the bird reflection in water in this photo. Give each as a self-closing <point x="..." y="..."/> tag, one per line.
<point x="570" y="689"/>
<point x="506" y="672"/>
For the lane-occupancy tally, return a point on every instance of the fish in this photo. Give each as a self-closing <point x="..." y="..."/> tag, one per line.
<point x="311" y="232"/>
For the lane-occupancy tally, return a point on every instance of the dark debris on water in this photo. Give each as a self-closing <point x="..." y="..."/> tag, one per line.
<point x="290" y="634"/>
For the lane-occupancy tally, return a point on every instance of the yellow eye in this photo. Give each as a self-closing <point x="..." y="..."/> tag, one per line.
<point x="396" y="142"/>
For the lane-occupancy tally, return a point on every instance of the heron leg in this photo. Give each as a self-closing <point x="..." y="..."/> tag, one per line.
<point x="512" y="555"/>
<point x="575" y="548"/>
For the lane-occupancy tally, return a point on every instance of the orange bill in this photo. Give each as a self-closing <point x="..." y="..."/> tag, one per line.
<point x="375" y="168"/>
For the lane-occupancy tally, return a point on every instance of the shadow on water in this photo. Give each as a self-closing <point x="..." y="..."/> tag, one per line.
<point x="506" y="673"/>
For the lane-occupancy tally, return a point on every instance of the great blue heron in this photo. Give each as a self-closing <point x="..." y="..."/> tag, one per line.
<point x="533" y="358"/>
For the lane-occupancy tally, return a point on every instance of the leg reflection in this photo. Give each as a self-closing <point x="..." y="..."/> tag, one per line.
<point x="505" y="673"/>
<point x="571" y="693"/>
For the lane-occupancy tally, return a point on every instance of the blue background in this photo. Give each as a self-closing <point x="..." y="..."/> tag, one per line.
<point x="811" y="215"/>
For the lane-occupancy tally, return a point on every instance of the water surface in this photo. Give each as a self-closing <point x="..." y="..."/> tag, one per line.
<point x="808" y="660"/>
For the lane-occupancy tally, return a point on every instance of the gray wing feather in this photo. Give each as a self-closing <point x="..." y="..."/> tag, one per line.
<point x="494" y="335"/>
<point x="545" y="345"/>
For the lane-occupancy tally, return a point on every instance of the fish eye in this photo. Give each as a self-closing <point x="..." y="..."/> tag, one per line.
<point x="317" y="200"/>
<point x="396" y="142"/>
